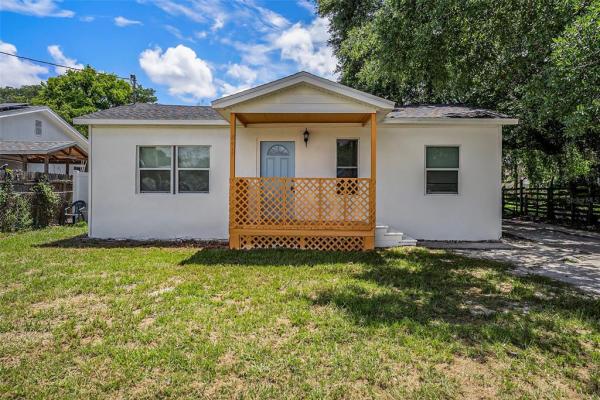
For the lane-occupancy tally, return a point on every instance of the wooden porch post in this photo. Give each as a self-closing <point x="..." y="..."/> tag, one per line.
<point x="46" y="161"/>
<point x="370" y="240"/>
<point x="234" y="238"/>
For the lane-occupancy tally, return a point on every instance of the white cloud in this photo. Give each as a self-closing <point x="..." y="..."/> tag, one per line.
<point x="201" y="34"/>
<point x="218" y="24"/>
<point x="59" y="58"/>
<point x="307" y="46"/>
<point x="229" y="89"/>
<point x="122" y="21"/>
<point x="87" y="18"/>
<point x="15" y="72"/>
<point x="242" y="73"/>
<point x="187" y="76"/>
<point x="175" y="8"/>
<point x="272" y="18"/>
<point x="308" y="4"/>
<point x="177" y="33"/>
<point x="38" y="8"/>
<point x="201" y="11"/>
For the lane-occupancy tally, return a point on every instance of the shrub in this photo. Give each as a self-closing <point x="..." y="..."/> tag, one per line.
<point x="14" y="209"/>
<point x="45" y="203"/>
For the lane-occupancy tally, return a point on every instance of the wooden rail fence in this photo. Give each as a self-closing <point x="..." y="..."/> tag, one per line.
<point x="577" y="206"/>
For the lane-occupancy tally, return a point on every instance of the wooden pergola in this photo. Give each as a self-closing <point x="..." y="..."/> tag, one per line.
<point x="46" y="153"/>
<point x="307" y="213"/>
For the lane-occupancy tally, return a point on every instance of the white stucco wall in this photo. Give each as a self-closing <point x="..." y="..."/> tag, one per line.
<point x="473" y="214"/>
<point x="117" y="211"/>
<point x="318" y="159"/>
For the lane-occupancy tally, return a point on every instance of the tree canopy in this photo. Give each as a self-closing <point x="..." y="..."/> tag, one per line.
<point x="76" y="93"/>
<point x="23" y="94"/>
<point x="537" y="60"/>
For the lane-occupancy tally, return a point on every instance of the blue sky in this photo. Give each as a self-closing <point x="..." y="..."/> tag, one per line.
<point x="190" y="51"/>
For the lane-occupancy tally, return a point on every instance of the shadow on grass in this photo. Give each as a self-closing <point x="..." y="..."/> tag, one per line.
<point x="446" y="297"/>
<point x="83" y="241"/>
<point x="280" y="257"/>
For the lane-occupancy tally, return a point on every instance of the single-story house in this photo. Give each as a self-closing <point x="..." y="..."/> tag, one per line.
<point x="301" y="162"/>
<point x="36" y="139"/>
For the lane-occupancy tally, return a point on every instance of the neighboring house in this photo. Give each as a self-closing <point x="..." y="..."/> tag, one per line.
<point x="300" y="162"/>
<point x="36" y="139"/>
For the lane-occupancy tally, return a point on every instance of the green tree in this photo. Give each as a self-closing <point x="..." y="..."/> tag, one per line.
<point x="76" y="93"/>
<point x="536" y="60"/>
<point x="23" y="94"/>
<point x="45" y="203"/>
<point x="14" y="208"/>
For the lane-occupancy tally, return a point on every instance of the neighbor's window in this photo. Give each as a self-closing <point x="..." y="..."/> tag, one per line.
<point x="193" y="163"/>
<point x="154" y="169"/>
<point x="38" y="127"/>
<point x="347" y="158"/>
<point x="441" y="169"/>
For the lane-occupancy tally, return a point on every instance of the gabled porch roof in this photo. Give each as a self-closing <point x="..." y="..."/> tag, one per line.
<point x="365" y="103"/>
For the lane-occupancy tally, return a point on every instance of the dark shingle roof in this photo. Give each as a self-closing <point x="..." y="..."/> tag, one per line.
<point x="442" y="111"/>
<point x="26" y="147"/>
<point x="7" y="110"/>
<point x="141" y="111"/>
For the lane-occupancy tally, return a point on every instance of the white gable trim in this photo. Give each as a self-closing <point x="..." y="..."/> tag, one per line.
<point x="71" y="132"/>
<point x="306" y="78"/>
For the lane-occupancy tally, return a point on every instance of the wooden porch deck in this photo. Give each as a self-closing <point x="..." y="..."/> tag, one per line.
<point x="302" y="213"/>
<point x="313" y="213"/>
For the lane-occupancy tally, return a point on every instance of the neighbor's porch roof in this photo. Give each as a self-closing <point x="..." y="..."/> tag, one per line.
<point x="57" y="150"/>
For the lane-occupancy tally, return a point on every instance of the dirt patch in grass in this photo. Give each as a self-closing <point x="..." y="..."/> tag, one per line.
<point x="82" y="304"/>
<point x="477" y="380"/>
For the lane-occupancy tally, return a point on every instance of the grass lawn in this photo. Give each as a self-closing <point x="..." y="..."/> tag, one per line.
<point x="84" y="319"/>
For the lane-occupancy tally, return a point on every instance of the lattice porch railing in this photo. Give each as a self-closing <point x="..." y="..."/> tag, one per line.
<point x="302" y="204"/>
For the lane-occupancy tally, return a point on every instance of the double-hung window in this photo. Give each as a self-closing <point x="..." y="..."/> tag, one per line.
<point x="441" y="169"/>
<point x="347" y="158"/>
<point x="155" y="164"/>
<point x="193" y="163"/>
<point x="173" y="169"/>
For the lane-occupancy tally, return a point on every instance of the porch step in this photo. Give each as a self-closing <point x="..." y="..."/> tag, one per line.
<point x="386" y="236"/>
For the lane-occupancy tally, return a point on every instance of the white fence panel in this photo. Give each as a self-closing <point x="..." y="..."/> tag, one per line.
<point x="80" y="186"/>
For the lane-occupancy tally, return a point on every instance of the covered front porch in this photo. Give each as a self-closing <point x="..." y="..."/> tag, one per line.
<point x="277" y="208"/>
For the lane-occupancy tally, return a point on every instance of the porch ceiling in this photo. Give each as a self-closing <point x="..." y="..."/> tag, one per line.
<point x="282" y="118"/>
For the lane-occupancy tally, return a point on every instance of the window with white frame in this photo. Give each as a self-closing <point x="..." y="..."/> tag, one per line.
<point x="38" y="127"/>
<point x="441" y="169"/>
<point x="347" y="158"/>
<point x="155" y="164"/>
<point x="193" y="169"/>
<point x="173" y="169"/>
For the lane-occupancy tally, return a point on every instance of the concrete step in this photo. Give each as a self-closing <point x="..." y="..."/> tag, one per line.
<point x="386" y="236"/>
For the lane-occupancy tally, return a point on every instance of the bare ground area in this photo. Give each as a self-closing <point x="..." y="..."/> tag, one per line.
<point x="567" y="255"/>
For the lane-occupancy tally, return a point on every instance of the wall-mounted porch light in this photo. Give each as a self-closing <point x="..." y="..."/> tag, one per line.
<point x="306" y="135"/>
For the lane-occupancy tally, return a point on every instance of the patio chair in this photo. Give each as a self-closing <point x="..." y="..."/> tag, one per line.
<point x="76" y="212"/>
